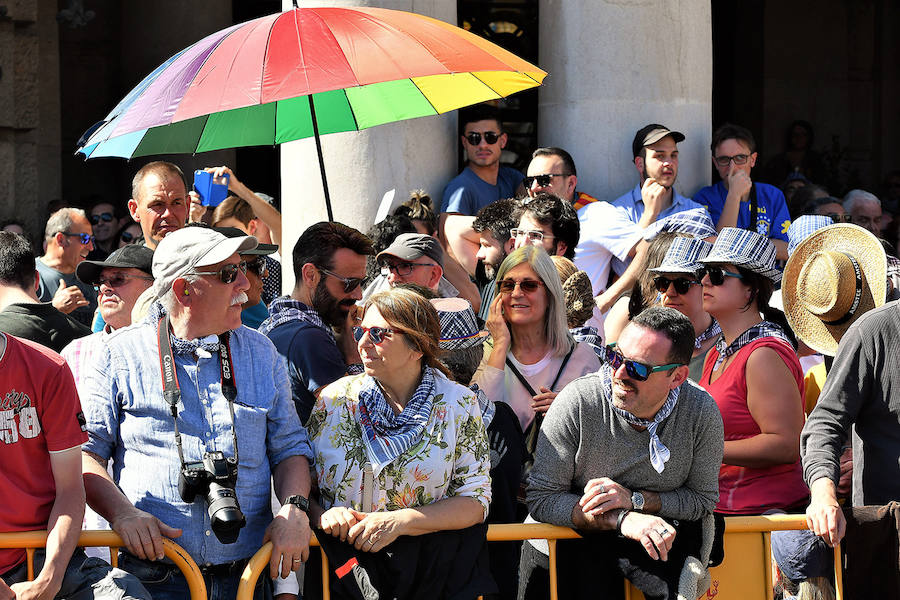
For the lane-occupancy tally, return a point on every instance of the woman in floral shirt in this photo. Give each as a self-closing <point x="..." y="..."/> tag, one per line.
<point x="420" y="434"/>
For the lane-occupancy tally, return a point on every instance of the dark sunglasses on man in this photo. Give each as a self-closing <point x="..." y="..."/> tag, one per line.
<point x="717" y="275"/>
<point x="84" y="238"/>
<point x="258" y="266"/>
<point x="350" y="283"/>
<point x="118" y="279"/>
<point x="105" y="217"/>
<point x="542" y="180"/>
<point x="682" y="284"/>
<point x="226" y="273"/>
<point x="634" y="369"/>
<point x="474" y="137"/>
<point x="839" y="218"/>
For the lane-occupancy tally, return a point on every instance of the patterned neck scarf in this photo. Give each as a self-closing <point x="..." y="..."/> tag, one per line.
<point x="203" y="347"/>
<point x="387" y="435"/>
<point x="710" y="332"/>
<point x="285" y="309"/>
<point x="762" y="329"/>
<point x="659" y="454"/>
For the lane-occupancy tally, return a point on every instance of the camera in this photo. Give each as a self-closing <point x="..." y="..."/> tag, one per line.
<point x="215" y="477"/>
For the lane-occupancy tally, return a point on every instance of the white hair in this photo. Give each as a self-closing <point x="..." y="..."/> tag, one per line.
<point x="854" y="197"/>
<point x="62" y="221"/>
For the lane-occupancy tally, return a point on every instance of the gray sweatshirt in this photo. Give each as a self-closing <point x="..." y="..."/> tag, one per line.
<point x="582" y="438"/>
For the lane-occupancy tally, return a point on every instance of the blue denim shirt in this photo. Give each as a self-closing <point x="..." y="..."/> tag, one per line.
<point x="129" y="421"/>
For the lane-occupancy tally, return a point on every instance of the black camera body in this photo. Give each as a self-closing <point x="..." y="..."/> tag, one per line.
<point x="214" y="477"/>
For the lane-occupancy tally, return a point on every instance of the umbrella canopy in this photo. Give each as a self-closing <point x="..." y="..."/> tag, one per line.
<point x="305" y="72"/>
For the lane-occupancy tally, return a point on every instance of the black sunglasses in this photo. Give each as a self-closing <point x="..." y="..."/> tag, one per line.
<point x="635" y="370"/>
<point x="717" y="275"/>
<point x="350" y="283"/>
<point x="227" y="273"/>
<point x="376" y="334"/>
<point x="682" y="284"/>
<point x="127" y="237"/>
<point x="506" y="286"/>
<point x="839" y="218"/>
<point x="542" y="180"/>
<point x="490" y="137"/>
<point x="106" y="217"/>
<point x="118" y="279"/>
<point x="258" y="266"/>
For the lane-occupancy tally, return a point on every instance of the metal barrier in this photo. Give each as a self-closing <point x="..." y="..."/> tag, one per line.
<point x="32" y="540"/>
<point x="756" y="529"/>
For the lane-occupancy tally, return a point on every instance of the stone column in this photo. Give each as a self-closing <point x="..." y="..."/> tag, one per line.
<point x="362" y="166"/>
<point x="615" y="67"/>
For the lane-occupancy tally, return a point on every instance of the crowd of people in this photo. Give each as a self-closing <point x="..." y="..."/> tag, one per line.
<point x="519" y="352"/>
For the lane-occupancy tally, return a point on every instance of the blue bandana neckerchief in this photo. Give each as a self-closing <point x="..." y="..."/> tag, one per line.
<point x="710" y="332"/>
<point x="284" y="309"/>
<point x="387" y="435"/>
<point x="762" y="329"/>
<point x="659" y="454"/>
<point x="204" y="347"/>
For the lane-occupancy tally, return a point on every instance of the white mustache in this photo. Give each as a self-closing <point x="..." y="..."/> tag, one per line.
<point x="240" y="299"/>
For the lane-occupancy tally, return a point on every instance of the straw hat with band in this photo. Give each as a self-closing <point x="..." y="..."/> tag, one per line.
<point x="833" y="277"/>
<point x="744" y="248"/>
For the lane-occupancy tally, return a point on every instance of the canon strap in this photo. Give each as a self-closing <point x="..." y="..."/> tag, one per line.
<point x="171" y="390"/>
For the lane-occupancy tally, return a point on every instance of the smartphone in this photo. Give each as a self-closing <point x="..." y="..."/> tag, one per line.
<point x="212" y="190"/>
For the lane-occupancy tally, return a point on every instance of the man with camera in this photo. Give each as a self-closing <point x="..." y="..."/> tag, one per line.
<point x="196" y="427"/>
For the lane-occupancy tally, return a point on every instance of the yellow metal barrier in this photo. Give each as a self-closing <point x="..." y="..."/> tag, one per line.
<point x="747" y="551"/>
<point x="32" y="540"/>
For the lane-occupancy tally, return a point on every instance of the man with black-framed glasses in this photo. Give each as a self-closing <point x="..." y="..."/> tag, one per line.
<point x="69" y="238"/>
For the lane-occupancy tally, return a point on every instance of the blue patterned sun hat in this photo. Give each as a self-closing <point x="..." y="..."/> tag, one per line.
<point x="695" y="222"/>
<point x="684" y="256"/>
<point x="745" y="248"/>
<point x="459" y="326"/>
<point x="803" y="227"/>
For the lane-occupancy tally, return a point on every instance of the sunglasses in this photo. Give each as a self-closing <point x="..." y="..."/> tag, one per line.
<point x="127" y="237"/>
<point x="635" y="370"/>
<point x="350" y="283"/>
<point x="117" y="280"/>
<point x="227" y="273"/>
<point x="84" y="238"/>
<point x="402" y="269"/>
<point x="376" y="334"/>
<point x="528" y="286"/>
<point x="739" y="159"/>
<point x="533" y="236"/>
<point x="258" y="266"/>
<point x="542" y="180"/>
<point x="105" y="217"/>
<point x="474" y="138"/>
<point x="717" y="275"/>
<point x="839" y="218"/>
<point x="682" y="284"/>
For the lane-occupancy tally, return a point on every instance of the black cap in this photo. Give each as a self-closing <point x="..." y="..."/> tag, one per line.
<point x="651" y="134"/>
<point x="233" y="232"/>
<point x="132" y="256"/>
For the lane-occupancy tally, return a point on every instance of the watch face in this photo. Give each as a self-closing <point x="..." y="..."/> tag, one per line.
<point x="637" y="499"/>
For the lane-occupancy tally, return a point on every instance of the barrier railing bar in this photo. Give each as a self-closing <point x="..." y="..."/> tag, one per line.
<point x="767" y="560"/>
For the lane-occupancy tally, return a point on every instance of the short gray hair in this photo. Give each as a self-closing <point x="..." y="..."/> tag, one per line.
<point x="854" y="197"/>
<point x="62" y="220"/>
<point x="168" y="298"/>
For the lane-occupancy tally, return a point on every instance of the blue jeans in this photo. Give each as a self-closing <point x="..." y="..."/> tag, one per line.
<point x="86" y="579"/>
<point x="165" y="581"/>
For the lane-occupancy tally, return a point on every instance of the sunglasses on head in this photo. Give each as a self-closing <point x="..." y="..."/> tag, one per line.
<point x="227" y="273"/>
<point x="542" y="180"/>
<point x="474" y="137"/>
<point x="84" y="238"/>
<point x="839" y="218"/>
<point x="118" y="279"/>
<point x="350" y="283"/>
<point x="682" y="284"/>
<point x="257" y="266"/>
<point x="717" y="275"/>
<point x="635" y="370"/>
<point x="506" y="286"/>
<point x="105" y="217"/>
<point x="376" y="334"/>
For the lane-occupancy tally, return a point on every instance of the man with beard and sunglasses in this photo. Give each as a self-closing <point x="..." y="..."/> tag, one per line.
<point x="633" y="449"/>
<point x="312" y="327"/>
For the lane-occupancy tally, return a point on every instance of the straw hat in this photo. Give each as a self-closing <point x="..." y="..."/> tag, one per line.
<point x="833" y="277"/>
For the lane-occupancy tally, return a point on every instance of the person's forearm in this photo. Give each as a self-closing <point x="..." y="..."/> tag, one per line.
<point x="102" y="494"/>
<point x="64" y="529"/>
<point x="264" y="211"/>
<point x="730" y="211"/>
<point x="291" y="477"/>
<point x="456" y="512"/>
<point x="457" y="276"/>
<point x="823" y="491"/>
<point x="781" y="246"/>
<point x="460" y="241"/>
<point x="762" y="450"/>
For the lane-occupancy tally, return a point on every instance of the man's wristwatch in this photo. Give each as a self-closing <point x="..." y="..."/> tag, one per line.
<point x="637" y="500"/>
<point x="300" y="502"/>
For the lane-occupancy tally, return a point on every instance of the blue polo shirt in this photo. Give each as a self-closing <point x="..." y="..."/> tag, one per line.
<point x="467" y="193"/>
<point x="774" y="218"/>
<point x="633" y="205"/>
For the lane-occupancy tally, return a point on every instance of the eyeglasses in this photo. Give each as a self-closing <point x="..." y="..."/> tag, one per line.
<point x="350" y="283"/>
<point x="402" y="269"/>
<point x="682" y="284"/>
<point x="739" y="159"/>
<point x="105" y="217"/>
<point x="542" y="180"/>
<point x="118" y="279"/>
<point x="474" y="137"/>
<point x="635" y="369"/>
<point x="227" y="273"/>
<point x="84" y="238"/>
<point x="376" y="334"/>
<point x="529" y="286"/>
<point x="716" y="274"/>
<point x="127" y="237"/>
<point x="258" y="266"/>
<point x="845" y="218"/>
<point x="534" y="236"/>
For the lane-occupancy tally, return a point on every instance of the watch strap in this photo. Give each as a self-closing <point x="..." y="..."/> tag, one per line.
<point x="299" y="501"/>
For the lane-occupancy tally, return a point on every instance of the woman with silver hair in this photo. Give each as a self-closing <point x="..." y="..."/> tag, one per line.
<point x="533" y="354"/>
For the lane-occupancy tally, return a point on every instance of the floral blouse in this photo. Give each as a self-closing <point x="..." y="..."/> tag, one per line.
<point x="451" y="459"/>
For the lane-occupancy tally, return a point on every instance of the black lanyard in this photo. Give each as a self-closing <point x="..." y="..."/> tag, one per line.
<point x="171" y="390"/>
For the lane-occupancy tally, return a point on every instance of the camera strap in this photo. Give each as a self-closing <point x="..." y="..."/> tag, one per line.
<point x="172" y="391"/>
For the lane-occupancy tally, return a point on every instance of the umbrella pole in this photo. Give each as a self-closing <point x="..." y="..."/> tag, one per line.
<point x="312" y="112"/>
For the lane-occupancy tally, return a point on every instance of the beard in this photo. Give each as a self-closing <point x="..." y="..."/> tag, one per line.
<point x="332" y="310"/>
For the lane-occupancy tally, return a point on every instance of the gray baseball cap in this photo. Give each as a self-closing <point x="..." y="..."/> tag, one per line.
<point x="410" y="246"/>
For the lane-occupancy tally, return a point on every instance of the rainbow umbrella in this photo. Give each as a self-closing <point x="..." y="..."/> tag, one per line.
<point x="306" y="72"/>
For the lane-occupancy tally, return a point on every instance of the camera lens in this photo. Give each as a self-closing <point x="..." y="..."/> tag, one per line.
<point x="226" y="518"/>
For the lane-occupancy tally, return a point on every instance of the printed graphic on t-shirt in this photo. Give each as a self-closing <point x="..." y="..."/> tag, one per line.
<point x="18" y="418"/>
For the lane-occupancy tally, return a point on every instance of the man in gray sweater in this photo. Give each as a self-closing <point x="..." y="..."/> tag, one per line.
<point x="633" y="449"/>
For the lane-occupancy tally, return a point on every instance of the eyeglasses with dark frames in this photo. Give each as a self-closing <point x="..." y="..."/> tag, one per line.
<point x="84" y="238"/>
<point x="118" y="279"/>
<point x="839" y="218"/>
<point x="634" y="369"/>
<point x="350" y="283"/>
<point x="376" y="334"/>
<point x="105" y="217"/>
<point x="682" y="284"/>
<point x="528" y="286"/>
<point x="127" y="237"/>
<point x="717" y="275"/>
<point x="474" y="137"/>
<point x="542" y="180"/>
<point x="402" y="269"/>
<point x="739" y="159"/>
<point x="226" y="273"/>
